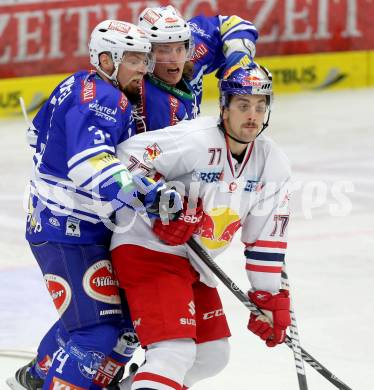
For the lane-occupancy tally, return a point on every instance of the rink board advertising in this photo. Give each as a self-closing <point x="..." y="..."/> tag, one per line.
<point x="307" y="44"/>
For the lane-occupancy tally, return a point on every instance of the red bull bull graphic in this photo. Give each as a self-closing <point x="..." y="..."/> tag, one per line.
<point x="151" y="152"/>
<point x="218" y="227"/>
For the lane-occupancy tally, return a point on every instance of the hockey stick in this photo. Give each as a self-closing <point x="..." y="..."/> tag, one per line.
<point x="295" y="341"/>
<point x="221" y="275"/>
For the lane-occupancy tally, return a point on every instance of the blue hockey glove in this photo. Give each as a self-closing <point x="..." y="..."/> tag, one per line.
<point x="235" y="60"/>
<point x="158" y="200"/>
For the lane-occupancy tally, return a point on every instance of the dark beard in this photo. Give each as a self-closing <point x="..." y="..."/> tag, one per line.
<point x="132" y="95"/>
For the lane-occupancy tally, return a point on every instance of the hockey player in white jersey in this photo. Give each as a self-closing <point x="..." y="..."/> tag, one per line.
<point x="234" y="178"/>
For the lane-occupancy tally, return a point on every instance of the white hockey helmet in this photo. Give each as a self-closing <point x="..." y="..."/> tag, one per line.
<point x="165" y="25"/>
<point x="117" y="38"/>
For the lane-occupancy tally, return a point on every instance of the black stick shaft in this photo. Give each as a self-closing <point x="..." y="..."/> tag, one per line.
<point x="225" y="279"/>
<point x="295" y="340"/>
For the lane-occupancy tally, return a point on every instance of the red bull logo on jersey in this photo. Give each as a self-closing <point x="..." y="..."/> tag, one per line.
<point x="59" y="290"/>
<point x="151" y="152"/>
<point x="218" y="227"/>
<point x="100" y="283"/>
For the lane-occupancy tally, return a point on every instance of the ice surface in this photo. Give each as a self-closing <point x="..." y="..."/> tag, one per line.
<point x="329" y="138"/>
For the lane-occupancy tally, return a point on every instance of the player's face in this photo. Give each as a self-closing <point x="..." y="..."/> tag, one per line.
<point x="170" y="59"/>
<point x="245" y="116"/>
<point x="131" y="71"/>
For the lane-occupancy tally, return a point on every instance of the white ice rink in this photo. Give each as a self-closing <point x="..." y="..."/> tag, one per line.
<point x="329" y="138"/>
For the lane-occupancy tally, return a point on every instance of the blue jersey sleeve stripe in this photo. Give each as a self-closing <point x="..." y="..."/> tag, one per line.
<point x="79" y="157"/>
<point x="243" y="27"/>
<point x="66" y="210"/>
<point x="265" y="256"/>
<point x="101" y="176"/>
<point x="72" y="189"/>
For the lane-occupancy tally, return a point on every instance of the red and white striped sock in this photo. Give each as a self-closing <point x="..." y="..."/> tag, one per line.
<point x="149" y="380"/>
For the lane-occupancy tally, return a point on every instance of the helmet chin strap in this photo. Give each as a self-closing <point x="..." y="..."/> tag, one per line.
<point x="113" y="76"/>
<point x="222" y="128"/>
<point x="265" y="125"/>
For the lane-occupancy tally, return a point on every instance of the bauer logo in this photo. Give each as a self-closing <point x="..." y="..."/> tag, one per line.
<point x="100" y="283"/>
<point x="59" y="290"/>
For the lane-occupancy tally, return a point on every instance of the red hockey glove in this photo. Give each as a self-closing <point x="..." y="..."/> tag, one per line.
<point x="277" y="309"/>
<point x="179" y="231"/>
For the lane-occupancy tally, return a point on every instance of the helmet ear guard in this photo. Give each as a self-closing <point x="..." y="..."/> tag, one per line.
<point x="116" y="38"/>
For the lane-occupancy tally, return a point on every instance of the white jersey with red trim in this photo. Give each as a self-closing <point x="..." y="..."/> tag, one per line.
<point x="252" y="194"/>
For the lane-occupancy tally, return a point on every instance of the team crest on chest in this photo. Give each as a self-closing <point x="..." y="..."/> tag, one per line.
<point x="233" y="186"/>
<point x="151" y="152"/>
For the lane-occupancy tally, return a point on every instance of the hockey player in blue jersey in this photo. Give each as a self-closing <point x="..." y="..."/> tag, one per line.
<point x="207" y="43"/>
<point x="184" y="52"/>
<point x="76" y="185"/>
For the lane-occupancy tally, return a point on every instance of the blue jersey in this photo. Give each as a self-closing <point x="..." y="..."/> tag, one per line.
<point x="77" y="176"/>
<point x="183" y="101"/>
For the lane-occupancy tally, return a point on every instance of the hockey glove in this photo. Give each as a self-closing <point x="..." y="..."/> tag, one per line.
<point x="272" y="326"/>
<point x="234" y="61"/>
<point x="155" y="198"/>
<point x="179" y="231"/>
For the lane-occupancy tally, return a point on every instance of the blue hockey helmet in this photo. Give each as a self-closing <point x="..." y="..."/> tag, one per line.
<point x="252" y="80"/>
